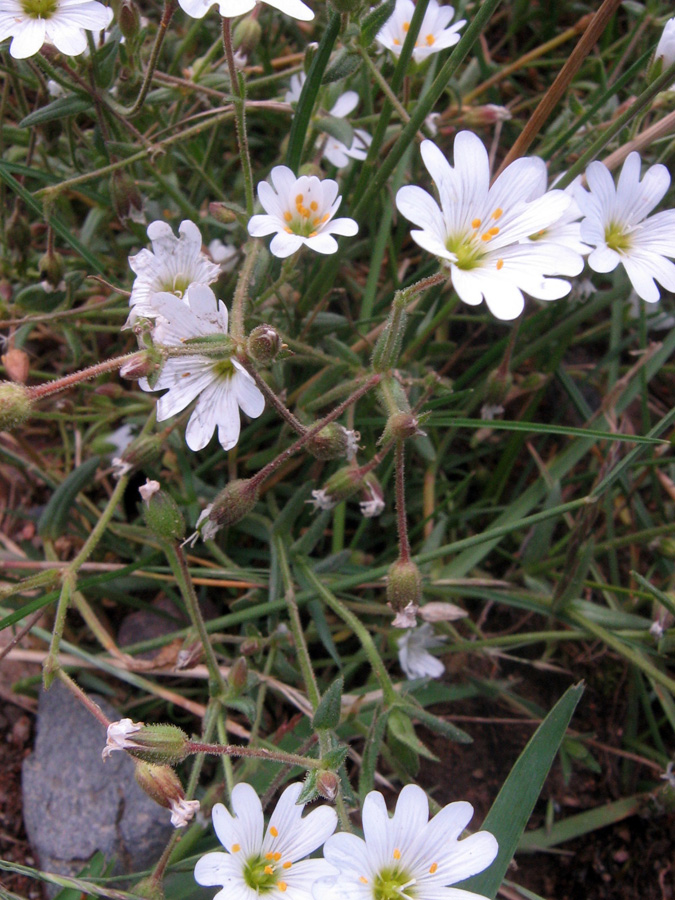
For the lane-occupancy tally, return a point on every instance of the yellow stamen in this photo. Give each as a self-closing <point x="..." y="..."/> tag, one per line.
<point x="500" y="264"/>
<point x="397" y="853"/>
<point x="288" y="217"/>
<point x="313" y="233"/>
<point x="314" y="206"/>
<point x="363" y="879"/>
<point x="274" y="832"/>
<point x="299" y="199"/>
<point x="397" y="42"/>
<point x="288" y="230"/>
<point x="432" y="868"/>
<point x="269" y="856"/>
<point x="486" y="237"/>
<point x="406" y="27"/>
<point x="236" y="848"/>
<point x="325" y="218"/>
<point x="277" y="856"/>
<point x="498" y="213"/>
<point x="282" y="885"/>
<point x="269" y="870"/>
<point x="476" y="223"/>
<point x="287" y="865"/>
<point x="430" y="40"/>
<point x="493" y="231"/>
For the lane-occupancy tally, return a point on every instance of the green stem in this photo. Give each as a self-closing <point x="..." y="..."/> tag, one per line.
<point x="359" y="630"/>
<point x="237" y="750"/>
<point x="238" y="317"/>
<point x="170" y="7"/>
<point x="401" y="523"/>
<point x="239" y="95"/>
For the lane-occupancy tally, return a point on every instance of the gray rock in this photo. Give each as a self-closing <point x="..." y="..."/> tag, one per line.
<point x="75" y="804"/>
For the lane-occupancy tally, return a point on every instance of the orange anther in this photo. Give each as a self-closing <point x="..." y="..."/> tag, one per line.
<point x="287" y="865"/>
<point x="476" y="223"/>
<point x="397" y="853"/>
<point x="430" y="40"/>
<point x="500" y="264"/>
<point x="236" y="848"/>
<point x="299" y="198"/>
<point x="274" y="832"/>
<point x="314" y="206"/>
<point x="406" y="27"/>
<point x="288" y="217"/>
<point x="269" y="856"/>
<point x="493" y="231"/>
<point x="269" y="870"/>
<point x="277" y="856"/>
<point x="498" y="213"/>
<point x="363" y="879"/>
<point x="486" y="237"/>
<point x="432" y="868"/>
<point x="282" y="885"/>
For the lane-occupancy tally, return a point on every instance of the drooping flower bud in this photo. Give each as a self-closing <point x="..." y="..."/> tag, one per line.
<point x="139" y="453"/>
<point x="404" y="592"/>
<point x="125" y="196"/>
<point x="334" y="441"/>
<point x="161" y="513"/>
<point x="142" y="365"/>
<point x="482" y="116"/>
<point x="310" y="53"/>
<point x="222" y="212"/>
<point x="340" y="486"/>
<point x="246" y="35"/>
<point x="263" y="344"/>
<point x="373" y="503"/>
<point x="15" y="405"/>
<point x="238" y="676"/>
<point x="51" y="271"/>
<point x="400" y="426"/>
<point x="129" y="19"/>
<point x="16" y="364"/>
<point x="161" y="744"/>
<point x="231" y="505"/>
<point x="164" y="786"/>
<point x="327" y="784"/>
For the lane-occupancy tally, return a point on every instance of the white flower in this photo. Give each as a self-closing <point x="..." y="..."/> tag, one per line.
<point x="299" y="211"/>
<point x="171" y="266"/>
<point x="117" y="734"/>
<point x="406" y="617"/>
<point x="149" y="489"/>
<point x="322" y="500"/>
<point x="617" y="226"/>
<point x="224" y="254"/>
<point x="230" y="8"/>
<point x="221" y="386"/>
<point x="182" y="811"/>
<point x="434" y="35"/>
<point x="566" y="231"/>
<point x="292" y="95"/>
<point x="413" y="656"/>
<point x="665" y="49"/>
<point x="60" y="22"/>
<point x="269" y="864"/>
<point x="481" y="232"/>
<point x="406" y="856"/>
<point x="489" y="410"/>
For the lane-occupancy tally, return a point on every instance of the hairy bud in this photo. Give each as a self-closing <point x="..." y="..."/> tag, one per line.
<point x="164" y="786"/>
<point x="17" y="365"/>
<point x="231" y="505"/>
<point x="263" y="344"/>
<point x="129" y="19"/>
<point x="327" y="784"/>
<point x="404" y="592"/>
<point x="246" y="35"/>
<point x="51" y="270"/>
<point x="222" y="213"/>
<point x="340" y="486"/>
<point x="238" y="675"/>
<point x="125" y="196"/>
<point x="15" y="405"/>
<point x="333" y="441"/>
<point x="139" y="453"/>
<point x="161" y="514"/>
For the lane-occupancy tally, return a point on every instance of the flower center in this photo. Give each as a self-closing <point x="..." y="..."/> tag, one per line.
<point x="223" y="369"/>
<point x="393" y="883"/>
<point x="259" y="875"/>
<point x="617" y="237"/>
<point x="306" y="220"/>
<point x="39" y="9"/>
<point x="470" y="247"/>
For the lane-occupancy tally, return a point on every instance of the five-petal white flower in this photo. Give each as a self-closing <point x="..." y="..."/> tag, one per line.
<point x="231" y="8"/>
<point x="616" y="223"/>
<point x="435" y="33"/>
<point x="171" y="266"/>
<point x="60" y="22"/>
<point x="413" y="655"/>
<point x="221" y="385"/>
<point x="405" y="856"/>
<point x="482" y="232"/>
<point x="299" y="211"/>
<point x="269" y="864"/>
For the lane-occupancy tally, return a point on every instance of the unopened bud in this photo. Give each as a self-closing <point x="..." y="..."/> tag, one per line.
<point x="51" y="270"/>
<point x="16" y="364"/>
<point x="139" y="453"/>
<point x="17" y="233"/>
<point x="400" y="425"/>
<point x="141" y="365"/>
<point x="263" y="344"/>
<point x="481" y="116"/>
<point x="388" y="346"/>
<point x="162" y="515"/>
<point x="440" y="611"/>
<point x="129" y="19"/>
<point x="164" y="786"/>
<point x="222" y="213"/>
<point x="161" y="744"/>
<point x="238" y="676"/>
<point x="404" y="592"/>
<point x="340" y="486"/>
<point x="310" y="53"/>
<point x="327" y="784"/>
<point x="15" y="405"/>
<point x="497" y="386"/>
<point x="125" y="196"/>
<point x="148" y="888"/>
<point x="250" y="646"/>
<point x="246" y="35"/>
<point x="333" y="441"/>
<point x="231" y="505"/>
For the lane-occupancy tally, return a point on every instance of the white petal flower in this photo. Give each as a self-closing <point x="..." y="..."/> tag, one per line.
<point x="117" y="734"/>
<point x="299" y="211"/>
<point x="435" y="33"/>
<point x="415" y="661"/>
<point x="406" y="856"/>
<point x="566" y="232"/>
<point x="665" y="49"/>
<point x="266" y="864"/>
<point x="224" y="254"/>
<point x="221" y="386"/>
<point x="481" y="232"/>
<point x="182" y="811"/>
<point x="171" y="266"/>
<point x="617" y="224"/>
<point x="60" y="22"/>
<point x="230" y="8"/>
<point x="322" y="500"/>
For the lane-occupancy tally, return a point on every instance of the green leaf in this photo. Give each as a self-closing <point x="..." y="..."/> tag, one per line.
<point x="309" y="791"/>
<point x="375" y="20"/>
<point x="401" y="728"/>
<point x="57" y="109"/>
<point x="58" y="512"/>
<point x="345" y="64"/>
<point x="439" y="726"/>
<point x="513" y="807"/>
<point x="333" y="759"/>
<point x="327" y="713"/>
<point x="371" y="751"/>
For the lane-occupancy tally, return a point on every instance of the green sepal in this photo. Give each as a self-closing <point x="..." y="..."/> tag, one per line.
<point x="309" y="791"/>
<point x="327" y="713"/>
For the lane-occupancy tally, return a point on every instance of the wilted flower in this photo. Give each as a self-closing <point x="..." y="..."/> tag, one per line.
<point x="299" y="211"/>
<point x="415" y="661"/>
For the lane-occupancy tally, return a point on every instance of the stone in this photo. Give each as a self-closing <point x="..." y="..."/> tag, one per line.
<point x="74" y="804"/>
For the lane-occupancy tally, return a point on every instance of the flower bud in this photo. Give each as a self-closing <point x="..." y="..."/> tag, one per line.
<point x="246" y="35"/>
<point x="238" y="676"/>
<point x="17" y="365"/>
<point x="404" y="592"/>
<point x="161" y="744"/>
<point x="17" y="233"/>
<point x="222" y="213"/>
<point x="148" y="888"/>
<point x="340" y="486"/>
<point x="310" y="53"/>
<point x="263" y="344"/>
<point x="125" y="196"/>
<point x="164" y="786"/>
<point x="139" y="453"/>
<point x="129" y="19"/>
<point x="334" y="441"/>
<point x="482" y="116"/>
<point x="231" y="505"/>
<point x="161" y="514"/>
<point x="388" y="346"/>
<point x="327" y="784"/>
<point x="141" y="365"/>
<point x="497" y="386"/>
<point x="51" y="270"/>
<point x="15" y="405"/>
<point x="400" y="425"/>
<point x="665" y="49"/>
